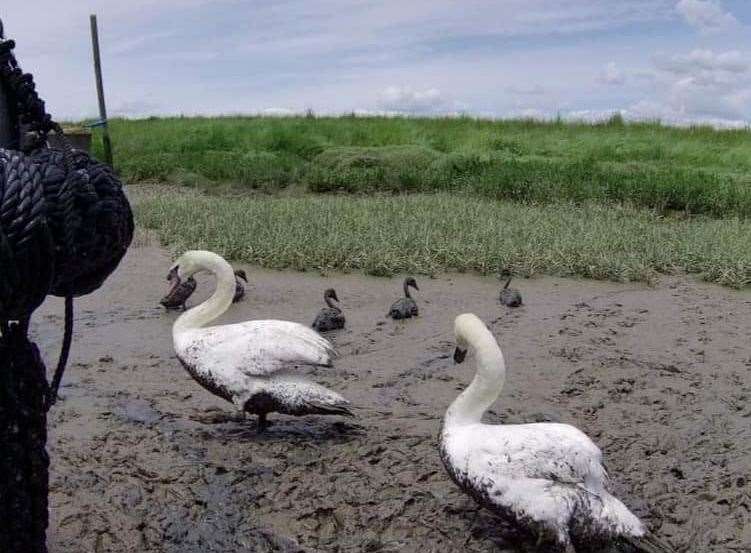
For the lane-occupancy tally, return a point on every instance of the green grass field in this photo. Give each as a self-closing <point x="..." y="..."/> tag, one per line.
<point x="696" y="171"/>
<point x="431" y="233"/>
<point x="610" y="201"/>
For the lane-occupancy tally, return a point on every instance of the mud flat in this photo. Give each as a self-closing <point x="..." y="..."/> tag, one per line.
<point x="145" y="460"/>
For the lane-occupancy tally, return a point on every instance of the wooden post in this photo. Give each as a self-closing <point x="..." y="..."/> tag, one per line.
<point x="100" y="91"/>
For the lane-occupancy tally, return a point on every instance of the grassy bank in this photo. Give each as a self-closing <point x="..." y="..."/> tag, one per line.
<point x="437" y="232"/>
<point x="644" y="165"/>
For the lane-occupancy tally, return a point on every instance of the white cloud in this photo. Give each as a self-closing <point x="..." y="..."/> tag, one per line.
<point x="693" y="97"/>
<point x="649" y="110"/>
<point x="704" y="60"/>
<point x="700" y="86"/>
<point x="591" y="115"/>
<point x="708" y="16"/>
<point x="531" y="113"/>
<point x="612" y="75"/>
<point x="643" y="110"/>
<point x="408" y="100"/>
<point x="279" y="112"/>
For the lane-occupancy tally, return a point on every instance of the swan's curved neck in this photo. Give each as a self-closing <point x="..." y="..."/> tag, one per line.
<point x="219" y="301"/>
<point x="487" y="384"/>
<point x="406" y="290"/>
<point x="330" y="302"/>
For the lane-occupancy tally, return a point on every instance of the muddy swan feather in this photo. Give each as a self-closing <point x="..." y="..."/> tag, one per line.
<point x="253" y="364"/>
<point x="545" y="478"/>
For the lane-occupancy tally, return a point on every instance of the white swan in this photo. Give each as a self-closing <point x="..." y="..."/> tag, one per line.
<point x="547" y="479"/>
<point x="252" y="363"/>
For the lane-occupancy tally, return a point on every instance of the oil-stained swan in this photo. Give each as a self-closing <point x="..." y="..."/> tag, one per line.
<point x="545" y="478"/>
<point x="254" y="364"/>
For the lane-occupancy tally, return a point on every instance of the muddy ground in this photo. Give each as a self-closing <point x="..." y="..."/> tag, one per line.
<point x="145" y="460"/>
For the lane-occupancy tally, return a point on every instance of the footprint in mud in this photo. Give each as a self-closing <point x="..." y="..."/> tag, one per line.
<point x="215" y="415"/>
<point x="436" y="367"/>
<point x="574" y="354"/>
<point x="630" y="321"/>
<point x="137" y="411"/>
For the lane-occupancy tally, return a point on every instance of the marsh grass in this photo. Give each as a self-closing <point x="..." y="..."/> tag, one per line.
<point x="431" y="233"/>
<point x="695" y="170"/>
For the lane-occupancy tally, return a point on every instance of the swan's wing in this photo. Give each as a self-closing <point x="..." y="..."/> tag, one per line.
<point x="556" y="452"/>
<point x="253" y="348"/>
<point x="535" y="471"/>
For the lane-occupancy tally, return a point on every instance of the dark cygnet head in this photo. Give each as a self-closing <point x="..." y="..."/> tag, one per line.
<point x="409" y="281"/>
<point x="172" y="274"/>
<point x="241" y="274"/>
<point x="330" y="293"/>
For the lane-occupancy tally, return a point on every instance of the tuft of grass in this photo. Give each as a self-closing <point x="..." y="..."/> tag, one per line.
<point x="431" y="233"/>
<point x="696" y="170"/>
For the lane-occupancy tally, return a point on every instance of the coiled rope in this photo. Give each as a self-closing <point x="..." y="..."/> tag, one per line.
<point x="64" y="220"/>
<point x="65" y="224"/>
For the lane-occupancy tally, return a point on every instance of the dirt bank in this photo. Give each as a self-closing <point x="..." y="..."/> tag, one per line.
<point x="145" y="460"/>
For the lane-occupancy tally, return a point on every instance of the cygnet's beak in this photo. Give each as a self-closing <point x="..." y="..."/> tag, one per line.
<point x="172" y="275"/>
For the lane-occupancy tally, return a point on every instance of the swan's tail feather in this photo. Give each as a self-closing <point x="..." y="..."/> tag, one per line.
<point x="648" y="543"/>
<point x="329" y="409"/>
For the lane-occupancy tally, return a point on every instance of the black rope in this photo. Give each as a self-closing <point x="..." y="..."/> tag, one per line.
<point x="23" y="457"/>
<point x="65" y="224"/>
<point x="64" y="220"/>
<point x="34" y="121"/>
<point x="64" y="352"/>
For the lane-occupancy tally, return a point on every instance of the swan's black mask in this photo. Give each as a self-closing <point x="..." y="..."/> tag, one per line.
<point x="459" y="355"/>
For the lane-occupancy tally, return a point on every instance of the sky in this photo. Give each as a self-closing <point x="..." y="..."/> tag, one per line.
<point x="682" y="61"/>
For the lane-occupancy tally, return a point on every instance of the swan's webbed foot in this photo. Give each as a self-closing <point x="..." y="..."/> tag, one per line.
<point x="543" y="545"/>
<point x="471" y="527"/>
<point x="548" y="541"/>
